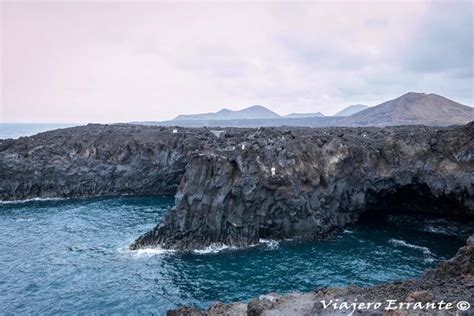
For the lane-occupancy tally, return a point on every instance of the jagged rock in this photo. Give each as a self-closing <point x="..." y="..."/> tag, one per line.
<point x="185" y="311"/>
<point x="96" y="160"/>
<point x="419" y="296"/>
<point x="288" y="189"/>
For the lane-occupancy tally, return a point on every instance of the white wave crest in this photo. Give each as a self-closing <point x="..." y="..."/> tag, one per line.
<point x="398" y="242"/>
<point x="26" y="219"/>
<point x="32" y="200"/>
<point x="270" y="243"/>
<point x="440" y="230"/>
<point x="145" y="252"/>
<point x="213" y="248"/>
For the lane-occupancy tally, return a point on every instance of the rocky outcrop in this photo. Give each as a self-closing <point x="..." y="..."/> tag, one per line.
<point x="450" y="282"/>
<point x="98" y="160"/>
<point x="305" y="183"/>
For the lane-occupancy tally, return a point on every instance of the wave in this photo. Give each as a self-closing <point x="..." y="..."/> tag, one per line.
<point x="213" y="248"/>
<point x="26" y="219"/>
<point x="270" y="243"/>
<point x="398" y="242"/>
<point x="33" y="200"/>
<point x="217" y="247"/>
<point x="146" y="252"/>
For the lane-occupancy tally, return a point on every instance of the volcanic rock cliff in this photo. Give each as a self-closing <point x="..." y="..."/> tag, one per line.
<point x="305" y="183"/>
<point x="98" y="160"/>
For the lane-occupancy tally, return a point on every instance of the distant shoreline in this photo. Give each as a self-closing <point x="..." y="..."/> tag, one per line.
<point x="17" y="130"/>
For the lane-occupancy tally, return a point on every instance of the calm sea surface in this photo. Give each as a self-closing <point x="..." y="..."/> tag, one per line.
<point x="71" y="257"/>
<point x="15" y="130"/>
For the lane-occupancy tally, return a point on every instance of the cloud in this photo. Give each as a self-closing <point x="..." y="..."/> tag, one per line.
<point x="106" y="62"/>
<point x="444" y="40"/>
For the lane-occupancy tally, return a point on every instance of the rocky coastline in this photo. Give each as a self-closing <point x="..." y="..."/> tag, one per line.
<point x="306" y="183"/>
<point x="236" y="186"/>
<point x="97" y="160"/>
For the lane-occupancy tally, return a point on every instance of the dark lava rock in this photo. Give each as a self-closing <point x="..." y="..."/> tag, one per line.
<point x="278" y="187"/>
<point x="185" y="311"/>
<point x="97" y="160"/>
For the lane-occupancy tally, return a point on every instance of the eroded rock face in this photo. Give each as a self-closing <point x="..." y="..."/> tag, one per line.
<point x="97" y="160"/>
<point x="304" y="183"/>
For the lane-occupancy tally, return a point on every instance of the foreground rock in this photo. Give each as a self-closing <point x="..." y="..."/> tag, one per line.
<point x="306" y="183"/>
<point x="451" y="282"/>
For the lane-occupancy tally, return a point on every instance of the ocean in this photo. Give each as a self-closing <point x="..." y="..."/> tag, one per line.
<point x="70" y="256"/>
<point x="16" y="130"/>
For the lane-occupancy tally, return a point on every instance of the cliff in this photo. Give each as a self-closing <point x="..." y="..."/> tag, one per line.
<point x="97" y="160"/>
<point x="306" y="183"/>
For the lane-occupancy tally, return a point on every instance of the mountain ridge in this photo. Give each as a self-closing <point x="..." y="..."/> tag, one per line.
<point x="351" y="109"/>
<point x="303" y="115"/>
<point x="413" y="108"/>
<point x="251" y="112"/>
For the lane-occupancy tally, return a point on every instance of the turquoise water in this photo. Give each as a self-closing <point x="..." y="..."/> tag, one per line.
<point x="71" y="257"/>
<point x="15" y="130"/>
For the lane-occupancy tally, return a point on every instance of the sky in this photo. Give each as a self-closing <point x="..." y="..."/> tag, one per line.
<point x="80" y="62"/>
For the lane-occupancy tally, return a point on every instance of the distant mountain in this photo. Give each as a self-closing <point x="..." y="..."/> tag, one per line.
<point x="253" y="112"/>
<point x="302" y="115"/>
<point x="351" y="109"/>
<point x="410" y="109"/>
<point x="314" y="121"/>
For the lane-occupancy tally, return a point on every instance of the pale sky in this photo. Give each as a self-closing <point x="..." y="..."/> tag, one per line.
<point x="79" y="62"/>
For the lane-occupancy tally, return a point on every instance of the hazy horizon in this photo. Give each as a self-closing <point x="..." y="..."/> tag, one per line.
<point x="110" y="62"/>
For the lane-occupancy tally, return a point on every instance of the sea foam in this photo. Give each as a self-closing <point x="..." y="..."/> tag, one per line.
<point x="270" y="243"/>
<point x="217" y="247"/>
<point x="213" y="248"/>
<point x="33" y="200"/>
<point x="146" y="252"/>
<point x="398" y="242"/>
